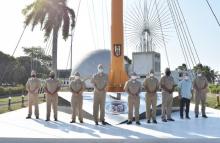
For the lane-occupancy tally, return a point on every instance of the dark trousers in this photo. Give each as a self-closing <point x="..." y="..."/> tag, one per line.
<point x="184" y="102"/>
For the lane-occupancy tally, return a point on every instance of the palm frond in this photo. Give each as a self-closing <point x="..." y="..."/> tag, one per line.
<point x="42" y="19"/>
<point x="28" y="18"/>
<point x="72" y="15"/>
<point x="28" y="8"/>
<point x="66" y="25"/>
<point x="48" y="26"/>
<point x="51" y="15"/>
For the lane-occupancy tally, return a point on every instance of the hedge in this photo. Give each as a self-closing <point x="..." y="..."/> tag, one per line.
<point x="12" y="90"/>
<point x="215" y="89"/>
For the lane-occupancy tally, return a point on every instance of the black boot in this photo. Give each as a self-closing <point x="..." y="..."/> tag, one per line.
<point x="103" y="123"/>
<point x="164" y="120"/>
<point x="129" y="122"/>
<point x="81" y="121"/>
<point x="138" y="123"/>
<point x="171" y="119"/>
<point x="204" y="116"/>
<point x="187" y="116"/>
<point x="155" y="121"/>
<point x="28" y="117"/>
<point x="73" y="121"/>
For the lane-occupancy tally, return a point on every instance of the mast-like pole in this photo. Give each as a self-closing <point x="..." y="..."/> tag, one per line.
<point x="117" y="73"/>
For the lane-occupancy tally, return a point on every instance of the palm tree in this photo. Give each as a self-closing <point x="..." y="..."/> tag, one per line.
<point x="51" y="15"/>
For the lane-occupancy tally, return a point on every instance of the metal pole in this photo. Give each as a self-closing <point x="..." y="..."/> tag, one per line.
<point x="118" y="96"/>
<point x="44" y="97"/>
<point x="71" y="52"/>
<point x="22" y="101"/>
<point x="9" y="103"/>
<point x="213" y="13"/>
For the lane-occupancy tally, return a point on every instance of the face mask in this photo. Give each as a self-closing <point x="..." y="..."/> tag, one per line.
<point x="133" y="77"/>
<point x="186" y="77"/>
<point x="168" y="73"/>
<point x="199" y="74"/>
<point x="33" y="76"/>
<point x="76" y="77"/>
<point x="100" y="70"/>
<point x="151" y="74"/>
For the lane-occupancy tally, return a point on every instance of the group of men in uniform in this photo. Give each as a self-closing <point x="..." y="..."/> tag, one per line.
<point x="77" y="86"/>
<point x="133" y="87"/>
<point x="151" y="85"/>
<point x="52" y="86"/>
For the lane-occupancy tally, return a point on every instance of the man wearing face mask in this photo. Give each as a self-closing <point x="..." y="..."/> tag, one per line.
<point x="100" y="82"/>
<point x="167" y="84"/>
<point x="133" y="88"/>
<point x="185" y="94"/>
<point x="151" y="85"/>
<point x="77" y="86"/>
<point x="51" y="88"/>
<point x="32" y="86"/>
<point x="200" y="85"/>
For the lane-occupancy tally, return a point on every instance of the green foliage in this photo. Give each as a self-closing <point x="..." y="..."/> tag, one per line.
<point x="51" y="15"/>
<point x="215" y="89"/>
<point x="7" y="68"/>
<point x="17" y="102"/>
<point x="183" y="67"/>
<point x="12" y="90"/>
<point x="39" y="54"/>
<point x="211" y="101"/>
<point x="17" y="71"/>
<point x="207" y="71"/>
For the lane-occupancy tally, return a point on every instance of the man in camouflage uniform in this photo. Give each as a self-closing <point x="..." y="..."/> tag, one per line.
<point x="151" y="85"/>
<point x="167" y="84"/>
<point x="200" y="85"/>
<point x="32" y="86"/>
<point x="133" y="88"/>
<point x="52" y="87"/>
<point x="77" y="86"/>
<point x="100" y="81"/>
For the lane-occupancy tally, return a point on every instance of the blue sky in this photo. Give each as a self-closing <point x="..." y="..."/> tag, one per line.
<point x="89" y="31"/>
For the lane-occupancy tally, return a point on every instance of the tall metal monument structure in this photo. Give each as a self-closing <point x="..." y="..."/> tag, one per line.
<point x="147" y="25"/>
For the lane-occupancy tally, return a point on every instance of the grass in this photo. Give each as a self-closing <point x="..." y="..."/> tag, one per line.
<point x="211" y="101"/>
<point x="16" y="106"/>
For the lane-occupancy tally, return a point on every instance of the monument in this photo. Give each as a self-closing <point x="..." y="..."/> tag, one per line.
<point x="117" y="73"/>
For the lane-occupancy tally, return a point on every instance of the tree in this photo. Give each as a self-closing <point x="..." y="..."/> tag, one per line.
<point x="51" y="15"/>
<point x="25" y="62"/>
<point x="207" y="71"/>
<point x="183" y="67"/>
<point x="37" y="53"/>
<point x="7" y="64"/>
